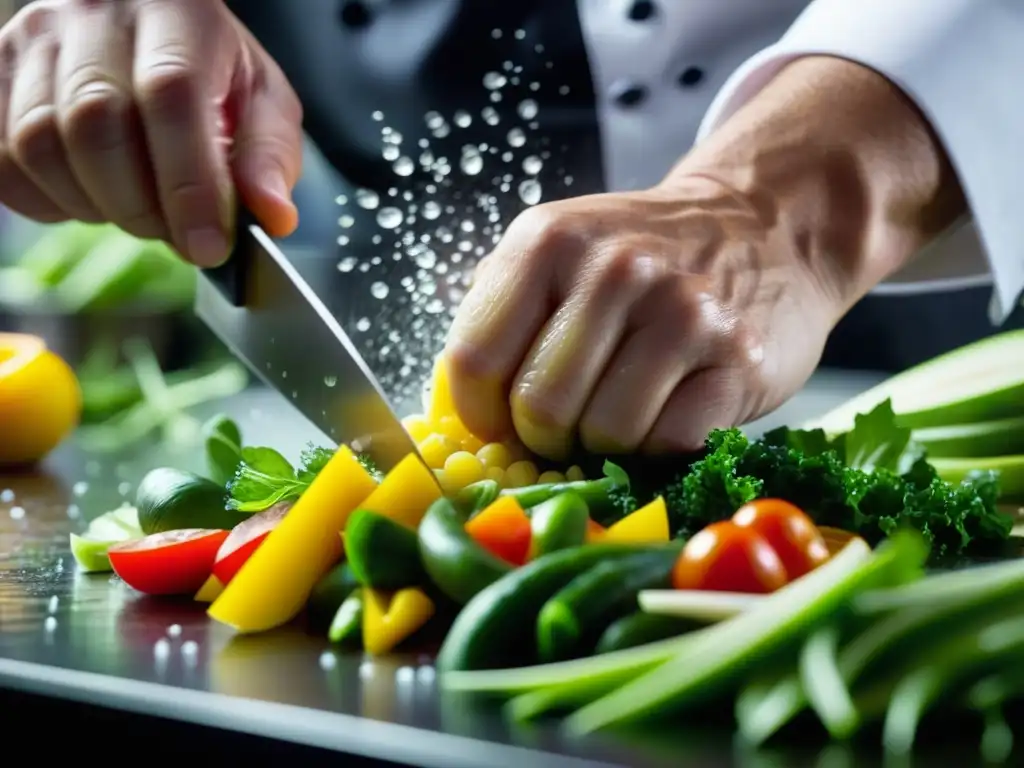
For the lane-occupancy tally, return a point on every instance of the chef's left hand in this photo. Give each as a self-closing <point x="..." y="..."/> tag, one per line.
<point x="640" y="321"/>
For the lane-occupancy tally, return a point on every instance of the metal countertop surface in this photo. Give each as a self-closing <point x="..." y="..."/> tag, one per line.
<point x="90" y="638"/>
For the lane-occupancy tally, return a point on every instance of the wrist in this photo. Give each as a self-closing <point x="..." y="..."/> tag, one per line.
<point x="837" y="159"/>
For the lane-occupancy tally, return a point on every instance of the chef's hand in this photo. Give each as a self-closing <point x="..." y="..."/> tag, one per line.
<point x="123" y="112"/>
<point x="639" y="321"/>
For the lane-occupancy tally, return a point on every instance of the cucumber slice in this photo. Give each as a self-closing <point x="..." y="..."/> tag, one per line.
<point x="979" y="382"/>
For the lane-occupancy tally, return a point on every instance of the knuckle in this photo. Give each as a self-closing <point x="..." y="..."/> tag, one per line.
<point x="469" y="360"/>
<point x="94" y="113"/>
<point x="167" y="86"/>
<point x="33" y="19"/>
<point x="547" y="227"/>
<point x="544" y="407"/>
<point x="743" y="347"/>
<point x="146" y="225"/>
<point x="35" y="137"/>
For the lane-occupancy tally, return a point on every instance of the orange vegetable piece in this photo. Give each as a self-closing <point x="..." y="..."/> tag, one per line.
<point x="503" y="529"/>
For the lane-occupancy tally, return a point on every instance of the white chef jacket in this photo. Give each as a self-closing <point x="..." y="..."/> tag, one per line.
<point x="960" y="61"/>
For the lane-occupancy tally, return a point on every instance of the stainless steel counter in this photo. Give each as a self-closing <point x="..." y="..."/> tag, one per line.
<point x="90" y="638"/>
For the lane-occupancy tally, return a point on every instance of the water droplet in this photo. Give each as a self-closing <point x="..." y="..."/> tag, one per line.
<point x="342" y="240"/>
<point x="532" y="165"/>
<point x="379" y="290"/>
<point x="568" y="181"/>
<point x="346" y="221"/>
<point x="463" y="119"/>
<point x="530" y="191"/>
<point x="516" y="137"/>
<point x="341" y="200"/>
<point x="367" y="198"/>
<point x="506" y="157"/>
<point x="494" y="80"/>
<point x="174" y="630"/>
<point x="124" y="488"/>
<point x="6" y="496"/>
<point x="391" y="152"/>
<point x="50" y="624"/>
<point x="377" y="115"/>
<point x="54" y="604"/>
<point x="534" y="86"/>
<point x="73" y="512"/>
<point x="431" y="210"/>
<point x="467" y="226"/>
<point x="495" y="96"/>
<point x="426" y="260"/>
<point x="17" y="513"/>
<point x="563" y="90"/>
<point x="347" y="264"/>
<point x="363" y="324"/>
<point x="527" y="109"/>
<point x="403" y="166"/>
<point x="539" y="48"/>
<point x="330" y="381"/>
<point x="471" y="162"/>
<point x="80" y="488"/>
<point x="190" y="649"/>
<point x="389" y="218"/>
<point x="490" y="115"/>
<point x="328" y="660"/>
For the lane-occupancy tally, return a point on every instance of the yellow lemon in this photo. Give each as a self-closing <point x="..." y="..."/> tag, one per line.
<point x="40" y="400"/>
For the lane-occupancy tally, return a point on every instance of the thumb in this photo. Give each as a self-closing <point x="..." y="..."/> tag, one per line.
<point x="267" y="150"/>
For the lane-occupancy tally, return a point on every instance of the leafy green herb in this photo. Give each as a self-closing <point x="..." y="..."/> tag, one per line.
<point x="264" y="477"/>
<point x="873" y="480"/>
<point x="223" y="448"/>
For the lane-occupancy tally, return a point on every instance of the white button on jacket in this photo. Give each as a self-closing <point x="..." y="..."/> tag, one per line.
<point x="660" y="66"/>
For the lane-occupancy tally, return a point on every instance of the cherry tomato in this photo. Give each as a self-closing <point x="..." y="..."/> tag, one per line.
<point x="168" y="563"/>
<point x="244" y="539"/>
<point x="789" y="531"/>
<point x="727" y="558"/>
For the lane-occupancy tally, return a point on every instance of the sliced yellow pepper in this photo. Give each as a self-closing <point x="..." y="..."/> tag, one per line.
<point x="405" y="493"/>
<point x="389" y="618"/>
<point x="210" y="590"/>
<point x="649" y="524"/>
<point x="274" y="584"/>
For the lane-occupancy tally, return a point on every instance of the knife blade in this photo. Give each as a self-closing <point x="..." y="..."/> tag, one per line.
<point x="270" y="318"/>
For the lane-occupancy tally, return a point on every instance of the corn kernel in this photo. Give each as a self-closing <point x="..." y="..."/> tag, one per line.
<point x="521" y="473"/>
<point x="461" y="469"/>
<point x="495" y="455"/>
<point x="417" y="427"/>
<point x="497" y="474"/>
<point x="551" y="476"/>
<point x="574" y="474"/>
<point x="435" y="449"/>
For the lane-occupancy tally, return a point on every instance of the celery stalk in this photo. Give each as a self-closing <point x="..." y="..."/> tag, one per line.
<point x="724" y="650"/>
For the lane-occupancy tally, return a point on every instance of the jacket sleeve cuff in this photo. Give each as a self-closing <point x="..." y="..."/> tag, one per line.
<point x="959" y="61"/>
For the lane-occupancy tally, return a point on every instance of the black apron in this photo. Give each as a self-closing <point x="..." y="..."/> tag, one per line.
<point x="415" y="61"/>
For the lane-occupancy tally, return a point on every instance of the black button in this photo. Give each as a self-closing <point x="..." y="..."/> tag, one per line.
<point x="690" y="76"/>
<point x="642" y="10"/>
<point x="355" y="14"/>
<point x="628" y="94"/>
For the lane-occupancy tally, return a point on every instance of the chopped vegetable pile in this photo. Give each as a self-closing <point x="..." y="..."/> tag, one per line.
<point x="774" y="575"/>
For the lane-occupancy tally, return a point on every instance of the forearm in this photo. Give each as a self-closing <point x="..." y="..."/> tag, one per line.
<point x="841" y="160"/>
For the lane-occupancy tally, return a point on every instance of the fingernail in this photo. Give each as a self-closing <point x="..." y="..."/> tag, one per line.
<point x="207" y="247"/>
<point x="274" y="184"/>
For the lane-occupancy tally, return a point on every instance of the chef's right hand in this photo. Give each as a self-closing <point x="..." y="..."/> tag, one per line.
<point x="148" y="114"/>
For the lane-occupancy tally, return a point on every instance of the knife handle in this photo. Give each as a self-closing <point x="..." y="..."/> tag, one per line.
<point x="230" y="277"/>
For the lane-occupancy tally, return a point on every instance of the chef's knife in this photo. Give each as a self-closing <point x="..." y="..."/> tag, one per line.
<point x="269" y="317"/>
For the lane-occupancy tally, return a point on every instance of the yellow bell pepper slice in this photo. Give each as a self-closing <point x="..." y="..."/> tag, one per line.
<point x="40" y="400"/>
<point x="274" y="584"/>
<point x="210" y="590"/>
<point x="649" y="524"/>
<point x="405" y="493"/>
<point x="389" y="618"/>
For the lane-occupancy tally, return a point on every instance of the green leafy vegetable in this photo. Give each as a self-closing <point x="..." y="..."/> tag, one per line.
<point x="872" y="480"/>
<point x="223" y="448"/>
<point x="265" y="477"/>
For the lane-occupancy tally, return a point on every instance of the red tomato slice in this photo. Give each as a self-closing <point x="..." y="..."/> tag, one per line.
<point x="789" y="531"/>
<point x="169" y="563"/>
<point x="244" y="539"/>
<point x="725" y="557"/>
